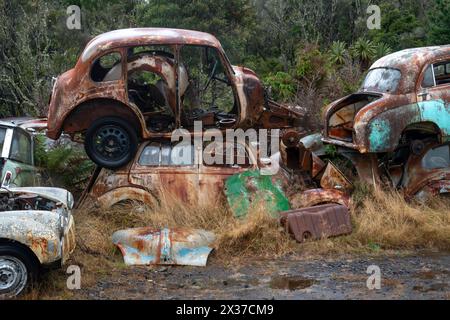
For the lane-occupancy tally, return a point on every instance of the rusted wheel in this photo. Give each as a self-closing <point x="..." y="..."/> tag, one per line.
<point x="111" y="142"/>
<point x="17" y="270"/>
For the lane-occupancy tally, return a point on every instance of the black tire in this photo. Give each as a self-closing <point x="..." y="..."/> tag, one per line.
<point x="121" y="138"/>
<point x="10" y="269"/>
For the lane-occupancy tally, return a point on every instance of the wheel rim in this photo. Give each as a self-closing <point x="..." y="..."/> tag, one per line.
<point x="13" y="276"/>
<point x="111" y="142"/>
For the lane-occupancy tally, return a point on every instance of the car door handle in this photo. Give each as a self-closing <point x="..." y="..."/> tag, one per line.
<point x="423" y="95"/>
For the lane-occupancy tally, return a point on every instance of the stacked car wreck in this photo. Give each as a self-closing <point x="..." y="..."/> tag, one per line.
<point x="132" y="88"/>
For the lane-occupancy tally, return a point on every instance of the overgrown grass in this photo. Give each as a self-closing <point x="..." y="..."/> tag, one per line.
<point x="383" y="222"/>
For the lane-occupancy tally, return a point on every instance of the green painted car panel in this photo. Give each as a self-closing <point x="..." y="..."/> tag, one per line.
<point x="250" y="188"/>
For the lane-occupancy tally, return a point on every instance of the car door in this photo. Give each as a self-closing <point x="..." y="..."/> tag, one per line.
<point x="433" y="95"/>
<point x="20" y="161"/>
<point x="212" y="176"/>
<point x="168" y="171"/>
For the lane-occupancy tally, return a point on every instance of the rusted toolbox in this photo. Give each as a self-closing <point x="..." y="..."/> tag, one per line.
<point x="317" y="222"/>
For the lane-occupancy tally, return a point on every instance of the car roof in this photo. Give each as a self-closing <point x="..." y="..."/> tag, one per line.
<point x="411" y="62"/>
<point x="407" y="57"/>
<point x="147" y="36"/>
<point x="22" y="122"/>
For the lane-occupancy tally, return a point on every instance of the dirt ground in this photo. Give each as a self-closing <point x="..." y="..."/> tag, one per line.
<point x="412" y="276"/>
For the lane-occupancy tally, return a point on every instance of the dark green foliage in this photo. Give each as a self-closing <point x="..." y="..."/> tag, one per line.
<point x="64" y="165"/>
<point x="309" y="52"/>
<point x="440" y="23"/>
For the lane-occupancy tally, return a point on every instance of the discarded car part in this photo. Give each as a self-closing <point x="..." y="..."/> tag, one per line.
<point x="428" y="174"/>
<point x="36" y="229"/>
<point x="180" y="246"/>
<point x="314" y="197"/>
<point x="317" y="222"/>
<point x="314" y="143"/>
<point x="333" y="178"/>
<point x="367" y="165"/>
<point x="250" y="188"/>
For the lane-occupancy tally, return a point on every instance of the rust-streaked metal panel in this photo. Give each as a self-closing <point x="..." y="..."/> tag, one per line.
<point x="314" y="197"/>
<point x="317" y="222"/>
<point x="180" y="246"/>
<point x="333" y="178"/>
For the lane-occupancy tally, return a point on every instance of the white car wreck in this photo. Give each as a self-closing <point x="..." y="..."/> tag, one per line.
<point x="36" y="230"/>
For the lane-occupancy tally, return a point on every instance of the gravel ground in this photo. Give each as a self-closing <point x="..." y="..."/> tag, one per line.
<point x="422" y="276"/>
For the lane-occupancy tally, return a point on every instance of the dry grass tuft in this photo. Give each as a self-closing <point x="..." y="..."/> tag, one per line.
<point x="387" y="220"/>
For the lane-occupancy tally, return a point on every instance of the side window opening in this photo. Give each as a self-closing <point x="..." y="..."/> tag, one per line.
<point x="229" y="155"/>
<point x="207" y="94"/>
<point x="151" y="85"/>
<point x="437" y="74"/>
<point x="428" y="80"/>
<point x="2" y="138"/>
<point x="442" y="73"/>
<point x="164" y="154"/>
<point x="437" y="158"/>
<point x="21" y="147"/>
<point x="107" y="68"/>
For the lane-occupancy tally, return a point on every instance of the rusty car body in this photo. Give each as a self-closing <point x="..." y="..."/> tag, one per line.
<point x="158" y="172"/>
<point x="399" y="116"/>
<point x="36" y="229"/>
<point x="404" y="97"/>
<point x="143" y="83"/>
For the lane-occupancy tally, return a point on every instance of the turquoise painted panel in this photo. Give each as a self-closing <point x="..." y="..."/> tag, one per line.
<point x="437" y="111"/>
<point x="379" y="136"/>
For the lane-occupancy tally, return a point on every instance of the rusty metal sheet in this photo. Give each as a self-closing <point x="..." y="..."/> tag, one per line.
<point x="251" y="188"/>
<point x="180" y="246"/>
<point x="314" y="197"/>
<point x="317" y="222"/>
<point x="333" y="178"/>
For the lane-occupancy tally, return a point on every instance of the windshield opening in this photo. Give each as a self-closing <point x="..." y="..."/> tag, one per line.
<point x="2" y="138"/>
<point x="384" y="80"/>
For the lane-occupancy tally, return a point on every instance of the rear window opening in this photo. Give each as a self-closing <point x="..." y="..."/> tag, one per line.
<point x="107" y="68"/>
<point x="151" y="74"/>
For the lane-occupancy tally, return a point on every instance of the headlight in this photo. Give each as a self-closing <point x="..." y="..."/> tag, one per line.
<point x="70" y="201"/>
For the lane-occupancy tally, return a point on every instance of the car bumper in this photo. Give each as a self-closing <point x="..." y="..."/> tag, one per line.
<point x="68" y="243"/>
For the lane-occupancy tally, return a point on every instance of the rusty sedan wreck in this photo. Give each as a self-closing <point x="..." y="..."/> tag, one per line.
<point x="36" y="230"/>
<point x="143" y="83"/>
<point x="401" y="111"/>
<point x="161" y="169"/>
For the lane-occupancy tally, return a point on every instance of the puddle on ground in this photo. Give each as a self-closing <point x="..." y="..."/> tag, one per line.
<point x="291" y="282"/>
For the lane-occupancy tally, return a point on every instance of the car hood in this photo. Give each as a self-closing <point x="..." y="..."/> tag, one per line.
<point x="54" y="194"/>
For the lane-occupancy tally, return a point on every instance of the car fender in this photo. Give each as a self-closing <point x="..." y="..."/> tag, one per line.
<point x="115" y="196"/>
<point x="38" y="230"/>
